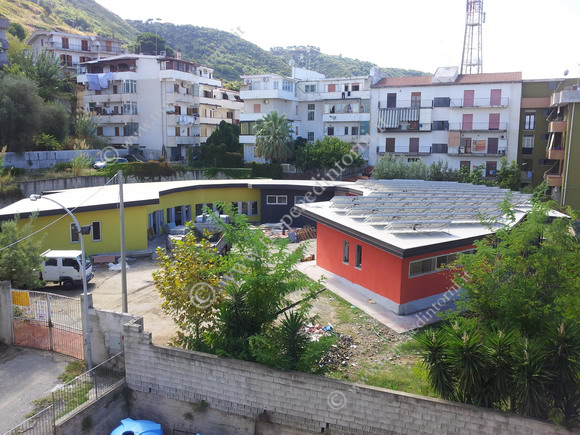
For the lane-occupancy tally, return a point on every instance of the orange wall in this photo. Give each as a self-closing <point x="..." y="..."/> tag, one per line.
<point x="429" y="284"/>
<point x="381" y="272"/>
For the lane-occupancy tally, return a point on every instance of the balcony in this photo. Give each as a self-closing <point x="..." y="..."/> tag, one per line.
<point x="421" y="151"/>
<point x="405" y="127"/>
<point x="267" y="94"/>
<point x="86" y="49"/>
<point x="174" y="141"/>
<point x="565" y="97"/>
<point x="117" y="118"/>
<point x="459" y="103"/>
<point x="465" y="152"/>
<point x="553" y="180"/>
<point x="555" y="154"/>
<point x="406" y="104"/>
<point x="557" y="127"/>
<point x="173" y="119"/>
<point x="478" y="126"/>
<point x="346" y="117"/>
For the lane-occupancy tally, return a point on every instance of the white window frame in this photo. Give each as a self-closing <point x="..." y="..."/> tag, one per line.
<point x="434" y="258"/>
<point x="528" y="141"/>
<point x="310" y="136"/>
<point x="277" y="199"/>
<point x="529" y="120"/>
<point x="93" y="231"/>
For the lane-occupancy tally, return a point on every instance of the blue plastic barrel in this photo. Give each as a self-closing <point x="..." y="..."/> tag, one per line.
<point x="138" y="427"/>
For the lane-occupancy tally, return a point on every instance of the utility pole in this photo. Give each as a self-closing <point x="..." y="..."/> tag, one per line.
<point x="123" y="260"/>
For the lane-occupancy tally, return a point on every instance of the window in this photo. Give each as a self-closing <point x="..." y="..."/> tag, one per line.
<point x="354" y="131"/>
<point x="494" y="121"/>
<point x="129" y="86"/>
<point x="310" y="88"/>
<point x="390" y="144"/>
<point x="415" y="99"/>
<point x="345" y="252"/>
<point x="528" y="144"/>
<point x="544" y="162"/>
<point x="391" y="101"/>
<point x="527" y="165"/>
<point x="492" y="145"/>
<point x="117" y="131"/>
<point x="84" y="45"/>
<point x="247" y="127"/>
<point x="130" y="108"/>
<point x="331" y="88"/>
<point x="131" y="129"/>
<point x="287" y="86"/>
<point x="311" y="116"/>
<point x="544" y="136"/>
<point x="434" y="264"/>
<point x="176" y="88"/>
<point x="355" y="87"/>
<point x="346" y="131"/>
<point x="276" y="199"/>
<point x="310" y="136"/>
<point x="96" y="231"/>
<point x="440" y="125"/>
<point x="330" y="131"/>
<point x="311" y="112"/>
<point x="468" y="97"/>
<point x="74" y="234"/>
<point x="529" y="121"/>
<point x="257" y="108"/>
<point x="207" y="94"/>
<point x="71" y="262"/>
<point x="50" y="262"/>
<point x="413" y="144"/>
<point x="441" y="102"/>
<point x="115" y="89"/>
<point x="99" y="131"/>
<point x="64" y="42"/>
<point x="439" y="148"/>
<point x="358" y="259"/>
<point x="490" y="169"/>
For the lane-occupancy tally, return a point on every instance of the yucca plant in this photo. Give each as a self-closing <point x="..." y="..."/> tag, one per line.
<point x="500" y="348"/>
<point x="433" y="349"/>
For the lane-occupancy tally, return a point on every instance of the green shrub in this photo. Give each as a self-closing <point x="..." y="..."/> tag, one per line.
<point x="266" y="170"/>
<point x="45" y="142"/>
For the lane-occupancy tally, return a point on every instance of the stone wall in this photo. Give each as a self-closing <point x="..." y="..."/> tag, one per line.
<point x="47" y="159"/>
<point x="96" y="418"/>
<point x="312" y="404"/>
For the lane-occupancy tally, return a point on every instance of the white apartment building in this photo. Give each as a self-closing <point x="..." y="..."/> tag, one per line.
<point x="316" y="106"/>
<point x="72" y="49"/>
<point x="467" y="120"/>
<point x="156" y="105"/>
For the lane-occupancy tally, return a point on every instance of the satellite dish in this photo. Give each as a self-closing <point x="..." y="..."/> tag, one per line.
<point x="566" y="73"/>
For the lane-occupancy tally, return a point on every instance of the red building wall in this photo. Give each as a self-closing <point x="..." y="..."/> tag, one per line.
<point x="381" y="272"/>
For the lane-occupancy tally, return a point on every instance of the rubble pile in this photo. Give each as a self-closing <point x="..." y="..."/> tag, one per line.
<point x="339" y="353"/>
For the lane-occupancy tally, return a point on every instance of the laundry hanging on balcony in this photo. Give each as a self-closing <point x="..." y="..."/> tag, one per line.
<point x="392" y="118"/>
<point x="99" y="81"/>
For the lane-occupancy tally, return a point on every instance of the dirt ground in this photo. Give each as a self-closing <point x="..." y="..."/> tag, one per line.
<point x="143" y="299"/>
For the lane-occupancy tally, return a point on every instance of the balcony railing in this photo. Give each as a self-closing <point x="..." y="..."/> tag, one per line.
<point x="478" y="126"/>
<point x="87" y="49"/>
<point x="553" y="180"/>
<point x="410" y="128"/>
<point x="406" y="104"/>
<point x="479" y="102"/>
<point x="555" y="153"/>
<point x="421" y="151"/>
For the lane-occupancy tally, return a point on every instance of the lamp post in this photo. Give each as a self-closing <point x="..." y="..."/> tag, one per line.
<point x="87" y="337"/>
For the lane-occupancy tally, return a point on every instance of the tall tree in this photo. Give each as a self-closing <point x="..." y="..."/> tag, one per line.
<point x="20" y="112"/>
<point x="20" y="263"/>
<point x="274" y="138"/>
<point x="326" y="154"/>
<point x="152" y="44"/>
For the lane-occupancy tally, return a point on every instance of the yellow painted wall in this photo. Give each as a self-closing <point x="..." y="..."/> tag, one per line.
<point x="57" y="236"/>
<point x="205" y="196"/>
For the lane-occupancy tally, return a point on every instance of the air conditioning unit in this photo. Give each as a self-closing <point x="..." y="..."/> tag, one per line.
<point x="266" y="79"/>
<point x="266" y="101"/>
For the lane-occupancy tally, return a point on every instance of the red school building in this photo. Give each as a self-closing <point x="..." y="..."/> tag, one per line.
<point x="396" y="238"/>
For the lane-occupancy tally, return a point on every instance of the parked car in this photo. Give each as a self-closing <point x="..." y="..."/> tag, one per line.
<point x="64" y="267"/>
<point x="101" y="164"/>
<point x="134" y="158"/>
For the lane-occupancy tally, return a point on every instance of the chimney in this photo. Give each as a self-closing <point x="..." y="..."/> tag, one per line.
<point x="177" y="54"/>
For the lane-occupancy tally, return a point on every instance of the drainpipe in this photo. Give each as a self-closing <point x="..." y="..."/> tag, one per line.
<point x="565" y="181"/>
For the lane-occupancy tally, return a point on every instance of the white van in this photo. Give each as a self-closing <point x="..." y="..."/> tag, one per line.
<point x="64" y="268"/>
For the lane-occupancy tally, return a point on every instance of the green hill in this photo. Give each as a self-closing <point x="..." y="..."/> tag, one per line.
<point x="72" y="16"/>
<point x="230" y="55"/>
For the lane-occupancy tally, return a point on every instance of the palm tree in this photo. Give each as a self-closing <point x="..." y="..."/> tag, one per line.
<point x="273" y="138"/>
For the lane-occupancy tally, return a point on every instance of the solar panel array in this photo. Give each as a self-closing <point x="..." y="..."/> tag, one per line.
<point x="415" y="205"/>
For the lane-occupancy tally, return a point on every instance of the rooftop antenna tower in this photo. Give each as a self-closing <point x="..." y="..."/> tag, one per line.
<point x="472" y="60"/>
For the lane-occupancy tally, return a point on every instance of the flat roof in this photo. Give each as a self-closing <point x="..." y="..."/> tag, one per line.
<point x="137" y="194"/>
<point x="412" y="217"/>
<point x="462" y="79"/>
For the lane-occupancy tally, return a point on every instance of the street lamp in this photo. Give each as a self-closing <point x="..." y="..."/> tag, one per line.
<point x="81" y="231"/>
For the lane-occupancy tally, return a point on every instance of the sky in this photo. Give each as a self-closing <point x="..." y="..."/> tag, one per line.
<point x="539" y="38"/>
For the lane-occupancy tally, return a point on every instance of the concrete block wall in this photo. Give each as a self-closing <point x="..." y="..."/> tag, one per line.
<point x="47" y="159"/>
<point x="302" y="401"/>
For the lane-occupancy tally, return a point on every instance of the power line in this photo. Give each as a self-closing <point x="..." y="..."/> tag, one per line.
<point x="56" y="220"/>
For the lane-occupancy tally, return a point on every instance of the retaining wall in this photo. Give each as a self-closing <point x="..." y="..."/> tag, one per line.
<point x="47" y="159"/>
<point x="302" y="401"/>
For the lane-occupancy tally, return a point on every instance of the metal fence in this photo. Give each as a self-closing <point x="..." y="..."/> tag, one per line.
<point x="82" y="390"/>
